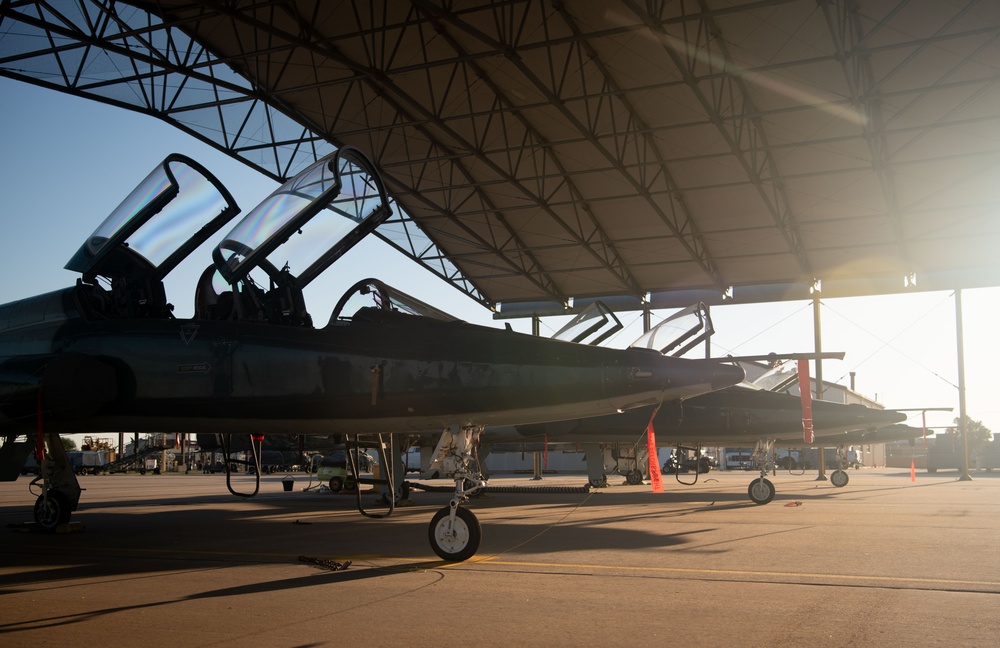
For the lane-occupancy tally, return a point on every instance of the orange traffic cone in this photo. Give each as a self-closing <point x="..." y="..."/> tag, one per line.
<point x="913" y="471"/>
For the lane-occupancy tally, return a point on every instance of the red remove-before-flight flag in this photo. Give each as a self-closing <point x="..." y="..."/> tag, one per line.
<point x="654" y="461"/>
<point x="805" y="390"/>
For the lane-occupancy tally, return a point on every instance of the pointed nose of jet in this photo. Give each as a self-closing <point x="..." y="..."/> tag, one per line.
<point x="853" y="416"/>
<point x="723" y="375"/>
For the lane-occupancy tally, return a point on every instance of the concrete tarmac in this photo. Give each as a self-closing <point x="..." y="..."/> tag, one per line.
<point x="174" y="560"/>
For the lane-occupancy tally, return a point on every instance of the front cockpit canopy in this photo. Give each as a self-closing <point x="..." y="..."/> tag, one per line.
<point x="175" y="209"/>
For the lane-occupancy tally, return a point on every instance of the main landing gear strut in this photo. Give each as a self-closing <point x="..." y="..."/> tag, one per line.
<point x="454" y="532"/>
<point x="761" y="490"/>
<point x="839" y="477"/>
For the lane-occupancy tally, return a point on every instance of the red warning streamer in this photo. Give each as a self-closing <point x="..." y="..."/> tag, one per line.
<point x="654" y="461"/>
<point x="805" y="390"/>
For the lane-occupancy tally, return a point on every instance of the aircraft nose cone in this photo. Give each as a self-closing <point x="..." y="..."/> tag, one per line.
<point x="727" y="375"/>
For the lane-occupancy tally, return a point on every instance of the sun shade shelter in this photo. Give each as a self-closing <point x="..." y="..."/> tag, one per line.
<point x="544" y="153"/>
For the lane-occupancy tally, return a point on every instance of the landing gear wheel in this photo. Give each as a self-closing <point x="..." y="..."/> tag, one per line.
<point x="336" y="484"/>
<point x="634" y="477"/>
<point x="599" y="482"/>
<point x="761" y="491"/>
<point x="461" y="541"/>
<point x="52" y="510"/>
<point x="839" y="478"/>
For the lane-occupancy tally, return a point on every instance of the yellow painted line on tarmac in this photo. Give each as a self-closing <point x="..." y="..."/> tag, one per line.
<point x="727" y="572"/>
<point x="496" y="561"/>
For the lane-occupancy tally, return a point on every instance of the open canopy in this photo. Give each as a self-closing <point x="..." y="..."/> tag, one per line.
<point x="176" y="208"/>
<point x="308" y="222"/>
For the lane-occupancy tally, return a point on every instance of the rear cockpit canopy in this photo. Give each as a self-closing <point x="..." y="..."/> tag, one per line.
<point x="295" y="234"/>
<point x="307" y="223"/>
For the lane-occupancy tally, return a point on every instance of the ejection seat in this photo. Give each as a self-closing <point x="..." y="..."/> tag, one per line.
<point x="209" y="304"/>
<point x="286" y="303"/>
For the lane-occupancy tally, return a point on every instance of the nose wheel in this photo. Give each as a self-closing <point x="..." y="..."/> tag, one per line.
<point x="761" y="491"/>
<point x="455" y="538"/>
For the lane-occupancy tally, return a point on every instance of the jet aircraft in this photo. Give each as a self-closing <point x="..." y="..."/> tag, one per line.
<point x="739" y="415"/>
<point x="108" y="354"/>
<point x="746" y="414"/>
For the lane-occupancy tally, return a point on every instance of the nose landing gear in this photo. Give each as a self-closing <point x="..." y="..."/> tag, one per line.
<point x="60" y="489"/>
<point x="455" y="532"/>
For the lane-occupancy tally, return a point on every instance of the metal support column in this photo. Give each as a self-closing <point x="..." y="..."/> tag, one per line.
<point x="962" y="418"/>
<point x="708" y="340"/>
<point x="818" y="340"/>
<point x="536" y="460"/>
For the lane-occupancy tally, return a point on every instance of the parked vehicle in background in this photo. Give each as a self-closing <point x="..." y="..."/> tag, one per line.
<point x="333" y="470"/>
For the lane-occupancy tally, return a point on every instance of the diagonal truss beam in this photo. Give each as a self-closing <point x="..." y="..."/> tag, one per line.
<point x="679" y="221"/>
<point x="843" y="19"/>
<point x="414" y="115"/>
<point x="123" y="56"/>
<point x="700" y="54"/>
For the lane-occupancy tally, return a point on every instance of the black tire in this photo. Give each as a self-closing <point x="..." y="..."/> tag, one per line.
<point x="600" y="482"/>
<point x="761" y="491"/>
<point x="336" y="484"/>
<point x="839" y="478"/>
<point x="634" y="477"/>
<point x="459" y="543"/>
<point x="52" y="510"/>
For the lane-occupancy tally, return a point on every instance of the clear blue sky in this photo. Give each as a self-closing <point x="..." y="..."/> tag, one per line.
<point x="67" y="162"/>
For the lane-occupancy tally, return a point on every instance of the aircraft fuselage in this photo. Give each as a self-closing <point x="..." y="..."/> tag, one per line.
<point x="732" y="415"/>
<point x="385" y="372"/>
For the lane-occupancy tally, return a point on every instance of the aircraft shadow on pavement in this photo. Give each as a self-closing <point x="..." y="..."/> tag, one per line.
<point x="312" y="579"/>
<point x="125" y="540"/>
<point x="139" y="538"/>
